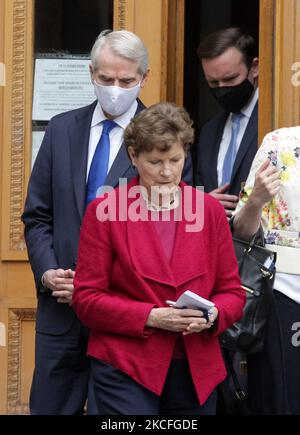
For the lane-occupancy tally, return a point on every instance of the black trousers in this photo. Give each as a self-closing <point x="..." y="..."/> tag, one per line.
<point x="60" y="384"/>
<point x="117" y="394"/>
<point x="274" y="373"/>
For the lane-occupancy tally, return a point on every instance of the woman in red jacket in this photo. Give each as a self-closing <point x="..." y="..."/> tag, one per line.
<point x="143" y="244"/>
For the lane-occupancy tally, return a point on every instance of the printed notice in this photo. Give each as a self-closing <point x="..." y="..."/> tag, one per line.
<point x="60" y="84"/>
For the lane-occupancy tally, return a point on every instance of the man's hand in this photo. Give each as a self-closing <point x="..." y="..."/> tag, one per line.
<point x="60" y="282"/>
<point x="229" y="202"/>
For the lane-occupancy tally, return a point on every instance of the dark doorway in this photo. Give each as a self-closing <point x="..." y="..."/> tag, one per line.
<point x="70" y="26"/>
<point x="201" y="18"/>
<point x="66" y="28"/>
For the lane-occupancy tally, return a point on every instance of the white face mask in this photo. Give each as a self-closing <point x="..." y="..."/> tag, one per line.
<point x="115" y="100"/>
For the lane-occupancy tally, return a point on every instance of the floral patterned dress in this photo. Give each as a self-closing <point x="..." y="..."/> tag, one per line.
<point x="281" y="216"/>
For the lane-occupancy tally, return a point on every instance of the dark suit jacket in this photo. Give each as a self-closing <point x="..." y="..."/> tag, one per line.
<point x="123" y="273"/>
<point x="208" y="150"/>
<point x="55" y="205"/>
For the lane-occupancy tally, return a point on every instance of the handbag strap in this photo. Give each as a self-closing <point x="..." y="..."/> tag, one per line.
<point x="258" y="238"/>
<point x="239" y="392"/>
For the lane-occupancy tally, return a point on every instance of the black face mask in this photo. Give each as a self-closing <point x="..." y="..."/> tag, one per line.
<point x="233" y="98"/>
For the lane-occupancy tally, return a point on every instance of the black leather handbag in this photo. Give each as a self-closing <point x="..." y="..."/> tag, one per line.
<point x="257" y="272"/>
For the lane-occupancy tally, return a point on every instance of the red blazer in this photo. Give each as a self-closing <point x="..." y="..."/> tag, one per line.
<point x="122" y="273"/>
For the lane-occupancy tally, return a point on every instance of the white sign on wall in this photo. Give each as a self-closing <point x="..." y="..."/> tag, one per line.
<point x="60" y="84"/>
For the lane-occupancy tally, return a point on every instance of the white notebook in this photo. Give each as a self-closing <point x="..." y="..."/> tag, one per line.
<point x="189" y="299"/>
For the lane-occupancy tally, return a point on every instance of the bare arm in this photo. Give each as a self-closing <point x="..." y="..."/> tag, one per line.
<point x="267" y="184"/>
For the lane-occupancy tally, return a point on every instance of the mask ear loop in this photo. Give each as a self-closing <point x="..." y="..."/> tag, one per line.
<point x="255" y="79"/>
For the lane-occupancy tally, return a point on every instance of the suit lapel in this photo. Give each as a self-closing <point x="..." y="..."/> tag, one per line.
<point x="119" y="167"/>
<point x="249" y="136"/>
<point x="79" y="134"/>
<point x="121" y="163"/>
<point x="215" y="146"/>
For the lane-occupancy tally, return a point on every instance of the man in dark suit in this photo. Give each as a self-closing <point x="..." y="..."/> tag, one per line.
<point x="228" y="142"/>
<point x="58" y="192"/>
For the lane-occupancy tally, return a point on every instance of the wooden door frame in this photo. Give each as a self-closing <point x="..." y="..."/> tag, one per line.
<point x="287" y="57"/>
<point x="279" y="87"/>
<point x="161" y="27"/>
<point x="16" y="136"/>
<point x="266" y="113"/>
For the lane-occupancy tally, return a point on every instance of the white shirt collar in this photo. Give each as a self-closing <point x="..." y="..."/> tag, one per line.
<point x="248" y="109"/>
<point x="122" y="120"/>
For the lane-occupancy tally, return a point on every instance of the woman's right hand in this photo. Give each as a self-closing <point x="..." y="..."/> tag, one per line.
<point x="176" y="320"/>
<point x="267" y="184"/>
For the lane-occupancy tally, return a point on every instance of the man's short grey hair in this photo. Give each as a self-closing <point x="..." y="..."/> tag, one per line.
<point x="124" y="44"/>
